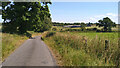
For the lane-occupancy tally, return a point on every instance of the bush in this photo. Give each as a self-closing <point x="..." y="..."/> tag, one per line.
<point x="50" y="34"/>
<point x="42" y="38"/>
<point x="94" y="29"/>
<point x="91" y="29"/>
<point x="54" y="29"/>
<point x="61" y="30"/>
<point x="98" y="31"/>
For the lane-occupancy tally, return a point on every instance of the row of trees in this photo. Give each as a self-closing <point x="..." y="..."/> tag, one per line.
<point x="19" y="17"/>
<point x="64" y="24"/>
<point x="106" y="23"/>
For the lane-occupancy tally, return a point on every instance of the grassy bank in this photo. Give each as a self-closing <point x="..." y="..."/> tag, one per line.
<point x="84" y="49"/>
<point x="10" y="42"/>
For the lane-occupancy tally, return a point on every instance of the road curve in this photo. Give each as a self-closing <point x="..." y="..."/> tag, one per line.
<point x="33" y="52"/>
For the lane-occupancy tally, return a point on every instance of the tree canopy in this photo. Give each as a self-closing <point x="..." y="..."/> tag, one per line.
<point x="19" y="17"/>
<point x="106" y="23"/>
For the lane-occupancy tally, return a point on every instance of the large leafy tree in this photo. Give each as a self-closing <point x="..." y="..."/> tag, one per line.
<point x="22" y="16"/>
<point x="15" y="17"/>
<point x="106" y="23"/>
<point x="40" y="19"/>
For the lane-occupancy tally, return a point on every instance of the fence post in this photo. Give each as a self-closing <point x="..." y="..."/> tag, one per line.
<point x="106" y="44"/>
<point x="106" y="49"/>
<point x="118" y="61"/>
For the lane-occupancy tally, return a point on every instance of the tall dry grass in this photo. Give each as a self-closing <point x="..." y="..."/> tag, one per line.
<point x="10" y="42"/>
<point x="83" y="50"/>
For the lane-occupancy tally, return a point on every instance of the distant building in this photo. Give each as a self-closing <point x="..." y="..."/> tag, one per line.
<point x="88" y="25"/>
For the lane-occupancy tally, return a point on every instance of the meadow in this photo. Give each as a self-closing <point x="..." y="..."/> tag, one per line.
<point x="76" y="48"/>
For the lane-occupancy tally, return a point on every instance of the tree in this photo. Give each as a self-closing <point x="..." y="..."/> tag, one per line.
<point x="106" y="23"/>
<point x="83" y="26"/>
<point x="45" y="18"/>
<point x="76" y="23"/>
<point x="19" y="17"/>
<point x="15" y="17"/>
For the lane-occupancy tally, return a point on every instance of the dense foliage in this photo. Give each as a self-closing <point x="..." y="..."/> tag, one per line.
<point x="19" y="17"/>
<point x="107" y="23"/>
<point x="64" y="24"/>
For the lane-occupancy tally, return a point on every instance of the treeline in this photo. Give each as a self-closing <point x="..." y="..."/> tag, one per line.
<point x="20" y="17"/>
<point x="106" y="23"/>
<point x="65" y="24"/>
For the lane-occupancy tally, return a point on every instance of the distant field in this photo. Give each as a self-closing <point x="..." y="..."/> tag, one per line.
<point x="84" y="49"/>
<point x="60" y="28"/>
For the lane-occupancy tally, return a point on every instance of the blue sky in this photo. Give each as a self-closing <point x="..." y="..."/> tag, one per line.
<point x="83" y="11"/>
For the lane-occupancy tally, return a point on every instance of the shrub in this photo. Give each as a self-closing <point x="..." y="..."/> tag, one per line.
<point x="42" y="38"/>
<point x="94" y="28"/>
<point x="54" y="29"/>
<point x="98" y="31"/>
<point x="91" y="29"/>
<point x="50" y="34"/>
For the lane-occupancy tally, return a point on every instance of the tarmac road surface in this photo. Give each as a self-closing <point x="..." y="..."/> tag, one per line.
<point x="33" y="52"/>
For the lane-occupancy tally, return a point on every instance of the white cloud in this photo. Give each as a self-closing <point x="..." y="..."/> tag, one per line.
<point x="94" y="19"/>
<point x="112" y="16"/>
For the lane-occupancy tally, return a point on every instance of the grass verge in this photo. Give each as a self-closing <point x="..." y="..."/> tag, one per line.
<point x="84" y="49"/>
<point x="10" y="42"/>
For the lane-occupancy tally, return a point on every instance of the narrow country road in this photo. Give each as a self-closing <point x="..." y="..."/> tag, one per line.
<point x="33" y="52"/>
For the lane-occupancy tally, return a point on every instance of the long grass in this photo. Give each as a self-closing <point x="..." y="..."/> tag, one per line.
<point x="0" y="43"/>
<point x="10" y="42"/>
<point x="85" y="49"/>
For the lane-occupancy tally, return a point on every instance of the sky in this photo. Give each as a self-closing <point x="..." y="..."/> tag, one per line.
<point x="1" y="16"/>
<point x="76" y="12"/>
<point x="71" y="12"/>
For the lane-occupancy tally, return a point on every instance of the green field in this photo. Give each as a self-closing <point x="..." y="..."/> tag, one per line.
<point x="78" y="29"/>
<point x="84" y="49"/>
